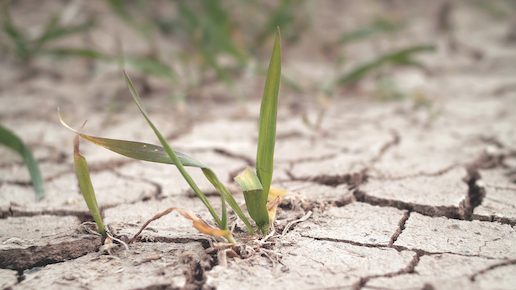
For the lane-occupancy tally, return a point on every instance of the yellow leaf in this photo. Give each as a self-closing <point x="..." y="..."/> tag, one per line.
<point x="202" y="226"/>
<point x="274" y="198"/>
<point x="197" y="223"/>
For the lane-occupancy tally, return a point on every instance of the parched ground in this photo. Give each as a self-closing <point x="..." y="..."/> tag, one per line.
<point x="416" y="193"/>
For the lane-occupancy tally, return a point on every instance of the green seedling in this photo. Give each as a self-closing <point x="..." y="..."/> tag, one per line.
<point x="82" y="173"/>
<point x="205" y="24"/>
<point x="9" y="139"/>
<point x="261" y="199"/>
<point x="402" y="57"/>
<point x="377" y="27"/>
<point x="287" y="14"/>
<point x="26" y="48"/>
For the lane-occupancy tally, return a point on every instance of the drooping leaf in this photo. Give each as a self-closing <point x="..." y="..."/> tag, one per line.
<point x="82" y="173"/>
<point x="171" y="154"/>
<point x="9" y="139"/>
<point x="267" y="130"/>
<point x="197" y="223"/>
<point x="154" y="153"/>
<point x="177" y="162"/>
<point x="399" y="57"/>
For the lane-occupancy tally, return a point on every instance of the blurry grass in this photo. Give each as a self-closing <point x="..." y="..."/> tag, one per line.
<point x="25" y="48"/>
<point x="214" y="38"/>
<point x="377" y="27"/>
<point x="402" y="57"/>
<point x="9" y="139"/>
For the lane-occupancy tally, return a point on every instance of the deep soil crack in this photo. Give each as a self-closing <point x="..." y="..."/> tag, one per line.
<point x="401" y="227"/>
<point x="398" y="248"/>
<point x="475" y="195"/>
<point x="406" y="270"/>
<point x="492" y="267"/>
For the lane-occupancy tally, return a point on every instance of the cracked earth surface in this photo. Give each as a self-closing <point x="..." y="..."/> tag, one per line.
<point x="385" y="195"/>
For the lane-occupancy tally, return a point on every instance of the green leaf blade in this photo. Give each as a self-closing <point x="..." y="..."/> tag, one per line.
<point x="268" y="116"/>
<point x="153" y="153"/>
<point x="267" y="131"/>
<point x="82" y="173"/>
<point x="173" y="157"/>
<point x="252" y="189"/>
<point x="9" y="139"/>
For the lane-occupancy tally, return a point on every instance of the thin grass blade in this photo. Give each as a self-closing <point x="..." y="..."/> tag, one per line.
<point x="15" y="34"/>
<point x="267" y="130"/>
<point x="399" y="57"/>
<point x="75" y="52"/>
<point x="9" y="139"/>
<point x="83" y="176"/>
<point x="54" y="31"/>
<point x="378" y="26"/>
<point x="171" y="153"/>
<point x="154" y="153"/>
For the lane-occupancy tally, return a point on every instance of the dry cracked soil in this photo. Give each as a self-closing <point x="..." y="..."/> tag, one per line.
<point x="383" y="195"/>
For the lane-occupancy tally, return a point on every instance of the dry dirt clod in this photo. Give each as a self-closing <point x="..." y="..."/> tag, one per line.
<point x="48" y="240"/>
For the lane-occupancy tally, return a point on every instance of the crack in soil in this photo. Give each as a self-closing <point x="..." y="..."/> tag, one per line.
<point x="227" y="153"/>
<point x="37" y="256"/>
<point x="475" y="195"/>
<point x="160" y="287"/>
<point x="473" y="277"/>
<point x="83" y="216"/>
<point x="406" y="270"/>
<point x="451" y="212"/>
<point x="398" y="248"/>
<point x="494" y="218"/>
<point x="417" y="174"/>
<point x="387" y="146"/>
<point x="158" y="188"/>
<point x="427" y="210"/>
<point x="401" y="227"/>
<point x="352" y="179"/>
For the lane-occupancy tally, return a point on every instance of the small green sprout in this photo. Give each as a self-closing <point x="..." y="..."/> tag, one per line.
<point x="9" y="139"/>
<point x="261" y="199"/>
<point x="82" y="173"/>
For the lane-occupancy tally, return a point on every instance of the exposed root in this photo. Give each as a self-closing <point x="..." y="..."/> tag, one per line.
<point x="286" y="229"/>
<point x="197" y="223"/>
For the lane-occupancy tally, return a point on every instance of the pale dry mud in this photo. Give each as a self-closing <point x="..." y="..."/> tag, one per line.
<point x="400" y="194"/>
